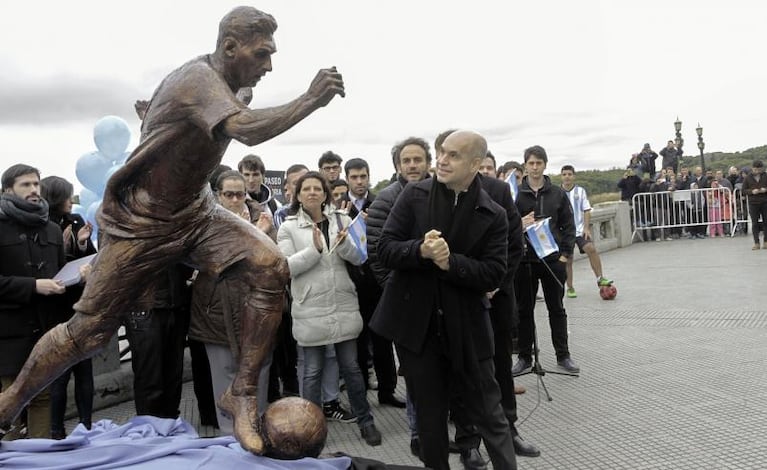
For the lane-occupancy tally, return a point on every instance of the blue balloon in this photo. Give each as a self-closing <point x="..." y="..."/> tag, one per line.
<point x="112" y="136"/>
<point x="87" y="197"/>
<point x="123" y="157"/>
<point x="91" y="170"/>
<point x="90" y="214"/>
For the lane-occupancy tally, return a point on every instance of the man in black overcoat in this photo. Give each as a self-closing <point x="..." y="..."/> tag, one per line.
<point x="446" y="242"/>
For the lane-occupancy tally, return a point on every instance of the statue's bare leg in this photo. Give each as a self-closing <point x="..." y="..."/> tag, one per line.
<point x="263" y="292"/>
<point x="60" y="348"/>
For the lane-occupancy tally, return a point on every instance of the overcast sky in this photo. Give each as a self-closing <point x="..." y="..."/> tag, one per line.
<point x="591" y="81"/>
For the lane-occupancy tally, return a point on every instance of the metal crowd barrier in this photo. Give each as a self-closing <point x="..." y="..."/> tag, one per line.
<point x="672" y="212"/>
<point x="740" y="214"/>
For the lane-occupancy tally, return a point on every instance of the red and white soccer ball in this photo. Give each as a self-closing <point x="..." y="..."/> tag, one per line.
<point x="608" y="292"/>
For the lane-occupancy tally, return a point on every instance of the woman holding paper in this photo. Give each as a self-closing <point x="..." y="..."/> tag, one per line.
<point x="77" y="244"/>
<point x="325" y="308"/>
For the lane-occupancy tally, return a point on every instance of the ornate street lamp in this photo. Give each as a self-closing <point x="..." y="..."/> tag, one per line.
<point x="701" y="146"/>
<point x="678" y="127"/>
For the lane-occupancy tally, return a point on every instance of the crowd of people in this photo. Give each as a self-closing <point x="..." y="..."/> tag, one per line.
<point x="344" y="315"/>
<point x="718" y="205"/>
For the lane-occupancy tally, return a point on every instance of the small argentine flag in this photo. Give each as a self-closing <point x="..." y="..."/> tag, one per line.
<point x="511" y="180"/>
<point x="541" y="238"/>
<point x="357" y="232"/>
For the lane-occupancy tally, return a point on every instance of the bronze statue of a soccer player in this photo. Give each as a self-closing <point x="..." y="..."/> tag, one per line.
<point x="158" y="210"/>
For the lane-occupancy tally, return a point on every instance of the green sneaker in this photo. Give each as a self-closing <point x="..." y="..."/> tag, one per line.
<point x="604" y="282"/>
<point x="571" y="293"/>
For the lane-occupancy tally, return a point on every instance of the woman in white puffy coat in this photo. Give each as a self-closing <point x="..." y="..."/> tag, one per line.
<point x="325" y="309"/>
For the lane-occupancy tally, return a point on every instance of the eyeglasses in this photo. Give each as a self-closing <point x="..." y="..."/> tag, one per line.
<point x="233" y="194"/>
<point x="331" y="168"/>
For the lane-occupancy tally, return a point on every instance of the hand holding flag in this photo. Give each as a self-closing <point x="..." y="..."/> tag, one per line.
<point x="357" y="232"/>
<point x="541" y="239"/>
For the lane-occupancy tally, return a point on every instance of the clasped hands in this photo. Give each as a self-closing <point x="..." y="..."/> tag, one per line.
<point x="435" y="248"/>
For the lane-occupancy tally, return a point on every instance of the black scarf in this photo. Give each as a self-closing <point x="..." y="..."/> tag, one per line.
<point x="28" y="214"/>
<point x="450" y="216"/>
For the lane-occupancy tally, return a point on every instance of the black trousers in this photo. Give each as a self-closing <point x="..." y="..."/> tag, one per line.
<point x="157" y="338"/>
<point x="202" y="383"/>
<point x="501" y="314"/>
<point x="756" y="210"/>
<point x="284" y="361"/>
<point x="431" y="383"/>
<point x="83" y="373"/>
<point x="552" y="279"/>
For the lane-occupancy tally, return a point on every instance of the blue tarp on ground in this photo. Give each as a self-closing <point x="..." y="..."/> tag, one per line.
<point x="145" y="442"/>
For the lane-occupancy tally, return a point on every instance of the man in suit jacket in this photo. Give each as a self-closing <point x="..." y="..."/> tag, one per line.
<point x="446" y="242"/>
<point x="369" y="291"/>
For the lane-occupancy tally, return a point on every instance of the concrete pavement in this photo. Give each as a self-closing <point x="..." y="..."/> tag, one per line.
<point x="673" y="371"/>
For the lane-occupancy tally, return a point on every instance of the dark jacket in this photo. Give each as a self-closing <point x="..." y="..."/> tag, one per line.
<point x="265" y="198"/>
<point x="416" y="287"/>
<point x="500" y="193"/>
<point x="549" y="201"/>
<point x="215" y="307"/>
<point x="648" y="158"/>
<point x="63" y="310"/>
<point x="750" y="184"/>
<point x="368" y="289"/>
<point x="671" y="157"/>
<point x="701" y="181"/>
<point x="26" y="254"/>
<point x="683" y="184"/>
<point x="377" y="214"/>
<point x="629" y="185"/>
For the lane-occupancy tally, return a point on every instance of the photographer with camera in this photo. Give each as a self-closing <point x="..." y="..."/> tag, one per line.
<point x="629" y="185"/>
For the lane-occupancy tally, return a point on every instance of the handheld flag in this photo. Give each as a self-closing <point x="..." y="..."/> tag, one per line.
<point x="511" y="180"/>
<point x="541" y="238"/>
<point x="357" y="232"/>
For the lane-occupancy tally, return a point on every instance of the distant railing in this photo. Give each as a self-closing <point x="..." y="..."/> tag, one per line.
<point x="664" y="211"/>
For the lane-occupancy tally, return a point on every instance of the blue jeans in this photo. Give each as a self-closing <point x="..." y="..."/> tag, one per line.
<point x="330" y="374"/>
<point x="346" y="355"/>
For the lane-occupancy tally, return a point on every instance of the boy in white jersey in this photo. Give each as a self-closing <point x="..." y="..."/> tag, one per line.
<point x="582" y="215"/>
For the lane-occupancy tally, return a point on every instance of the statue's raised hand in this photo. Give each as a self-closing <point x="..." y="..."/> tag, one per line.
<point x="326" y="84"/>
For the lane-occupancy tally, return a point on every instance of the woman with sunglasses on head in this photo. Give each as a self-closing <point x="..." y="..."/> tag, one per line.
<point x="215" y="304"/>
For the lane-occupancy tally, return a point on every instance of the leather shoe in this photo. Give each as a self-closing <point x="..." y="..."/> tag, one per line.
<point x="472" y="460"/>
<point x="522" y="366"/>
<point x="525" y="449"/>
<point x="519" y="389"/>
<point x="569" y="365"/>
<point x="371" y="435"/>
<point x="391" y="400"/>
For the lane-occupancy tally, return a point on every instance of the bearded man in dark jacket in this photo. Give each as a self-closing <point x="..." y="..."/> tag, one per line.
<point x="31" y="253"/>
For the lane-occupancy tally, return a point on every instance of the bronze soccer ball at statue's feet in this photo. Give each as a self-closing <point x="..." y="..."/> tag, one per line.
<point x="243" y="410"/>
<point x="293" y="428"/>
